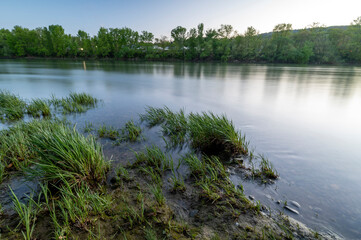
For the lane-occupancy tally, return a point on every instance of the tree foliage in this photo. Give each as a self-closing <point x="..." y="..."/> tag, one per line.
<point x="313" y="44"/>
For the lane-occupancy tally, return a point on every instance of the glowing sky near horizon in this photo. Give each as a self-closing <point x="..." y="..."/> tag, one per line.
<point x="161" y="16"/>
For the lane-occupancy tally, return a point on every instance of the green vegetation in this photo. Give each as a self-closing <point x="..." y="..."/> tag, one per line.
<point x="38" y="107"/>
<point x="74" y="103"/>
<point x="208" y="133"/>
<point x="66" y="155"/>
<point x="313" y="44"/>
<point x="213" y="134"/>
<point x="16" y="150"/>
<point x="131" y="132"/>
<point x="77" y="203"/>
<point x="27" y="214"/>
<point x="108" y="132"/>
<point x="11" y="106"/>
<point x="154" y="157"/>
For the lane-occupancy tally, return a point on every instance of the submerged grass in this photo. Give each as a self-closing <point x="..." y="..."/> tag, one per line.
<point x="12" y="107"/>
<point x="131" y="132"/>
<point x="75" y="103"/>
<point x="110" y="132"/>
<point x="38" y="107"/>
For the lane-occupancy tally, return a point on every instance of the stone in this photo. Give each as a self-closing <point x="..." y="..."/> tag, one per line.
<point x="251" y="197"/>
<point x="296" y="204"/>
<point x="291" y="210"/>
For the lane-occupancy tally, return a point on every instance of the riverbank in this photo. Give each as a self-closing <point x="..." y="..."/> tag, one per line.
<point x="149" y="194"/>
<point x="174" y="60"/>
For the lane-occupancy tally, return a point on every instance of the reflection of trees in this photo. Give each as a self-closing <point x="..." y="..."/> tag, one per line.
<point x="343" y="83"/>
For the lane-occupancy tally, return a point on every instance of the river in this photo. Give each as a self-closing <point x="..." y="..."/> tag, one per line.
<point x="305" y="119"/>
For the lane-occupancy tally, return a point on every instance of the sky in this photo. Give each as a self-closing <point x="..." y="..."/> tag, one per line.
<point x="161" y="16"/>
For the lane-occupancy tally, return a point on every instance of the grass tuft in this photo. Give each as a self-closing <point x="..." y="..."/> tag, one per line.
<point x="38" y="107"/>
<point x="65" y="154"/>
<point x="11" y="106"/>
<point x="131" y="132"/>
<point x="207" y="133"/>
<point x="108" y="132"/>
<point x="215" y="135"/>
<point x="27" y="214"/>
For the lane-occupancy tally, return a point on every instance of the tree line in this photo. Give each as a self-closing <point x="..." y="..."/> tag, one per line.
<point x="314" y="44"/>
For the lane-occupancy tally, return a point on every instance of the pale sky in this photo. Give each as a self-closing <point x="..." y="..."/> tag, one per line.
<point x="161" y="16"/>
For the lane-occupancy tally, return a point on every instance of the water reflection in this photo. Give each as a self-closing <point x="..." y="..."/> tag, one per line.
<point x="306" y="119"/>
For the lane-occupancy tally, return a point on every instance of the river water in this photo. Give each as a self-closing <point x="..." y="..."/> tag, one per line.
<point x="305" y="119"/>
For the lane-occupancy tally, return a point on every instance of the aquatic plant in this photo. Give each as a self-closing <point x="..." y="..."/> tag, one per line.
<point x="88" y="127"/>
<point x="108" y="132"/>
<point x="12" y="107"/>
<point x="38" y="107"/>
<point x="65" y="154"/>
<point x="2" y="171"/>
<point x="178" y="182"/>
<point x="267" y="168"/>
<point x="207" y="133"/>
<point x="158" y="194"/>
<point x="215" y="135"/>
<point x="154" y="157"/>
<point x="74" y="103"/>
<point x="27" y="214"/>
<point x="78" y="203"/>
<point x="83" y="99"/>
<point x="122" y="173"/>
<point x="131" y="132"/>
<point x="153" y="116"/>
<point x="15" y="148"/>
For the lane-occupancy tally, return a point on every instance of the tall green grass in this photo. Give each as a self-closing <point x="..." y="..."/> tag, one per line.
<point x="27" y="214"/>
<point x="12" y="107"/>
<point x="64" y="153"/>
<point x="207" y="133"/>
<point x="78" y="204"/>
<point x="215" y="135"/>
<point x="16" y="148"/>
<point x="38" y="107"/>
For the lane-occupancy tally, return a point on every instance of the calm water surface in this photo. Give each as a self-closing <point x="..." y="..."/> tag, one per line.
<point x="307" y="120"/>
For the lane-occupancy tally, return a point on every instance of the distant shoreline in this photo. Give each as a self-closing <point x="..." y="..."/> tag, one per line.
<point x="175" y="61"/>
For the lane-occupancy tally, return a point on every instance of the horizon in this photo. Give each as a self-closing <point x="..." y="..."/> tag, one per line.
<point x="89" y="16"/>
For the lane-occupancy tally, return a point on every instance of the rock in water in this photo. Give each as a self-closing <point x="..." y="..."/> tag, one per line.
<point x="296" y="204"/>
<point x="291" y="209"/>
<point x="251" y="197"/>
